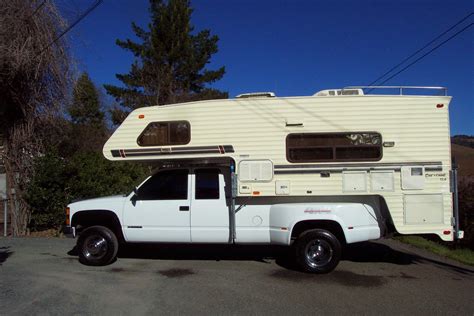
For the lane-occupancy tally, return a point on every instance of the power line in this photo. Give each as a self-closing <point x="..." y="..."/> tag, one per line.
<point x="37" y="9"/>
<point x="79" y="19"/>
<point x="429" y="52"/>
<point x="419" y="50"/>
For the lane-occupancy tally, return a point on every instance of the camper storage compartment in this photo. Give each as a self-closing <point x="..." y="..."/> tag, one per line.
<point x="423" y="208"/>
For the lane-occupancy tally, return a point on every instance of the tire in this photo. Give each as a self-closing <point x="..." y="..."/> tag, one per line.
<point x="97" y="246"/>
<point x="317" y="251"/>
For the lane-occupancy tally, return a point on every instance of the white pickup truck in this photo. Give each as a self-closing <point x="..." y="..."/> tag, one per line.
<point x="195" y="205"/>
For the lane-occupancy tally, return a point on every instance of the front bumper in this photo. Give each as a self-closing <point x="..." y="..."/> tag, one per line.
<point x="69" y="231"/>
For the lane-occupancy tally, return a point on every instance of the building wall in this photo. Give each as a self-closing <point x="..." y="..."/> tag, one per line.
<point x="3" y="186"/>
<point x="3" y="178"/>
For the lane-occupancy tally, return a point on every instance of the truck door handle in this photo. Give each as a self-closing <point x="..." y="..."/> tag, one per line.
<point x="184" y="208"/>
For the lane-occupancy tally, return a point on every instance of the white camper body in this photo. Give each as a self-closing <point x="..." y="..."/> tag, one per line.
<point x="409" y="176"/>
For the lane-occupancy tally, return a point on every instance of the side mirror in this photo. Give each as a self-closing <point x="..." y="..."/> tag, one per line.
<point x="134" y="196"/>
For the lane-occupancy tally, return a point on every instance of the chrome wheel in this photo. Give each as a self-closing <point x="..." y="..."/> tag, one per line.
<point x="95" y="246"/>
<point x="318" y="253"/>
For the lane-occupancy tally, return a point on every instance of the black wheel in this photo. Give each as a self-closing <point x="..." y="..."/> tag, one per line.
<point x="317" y="251"/>
<point x="97" y="246"/>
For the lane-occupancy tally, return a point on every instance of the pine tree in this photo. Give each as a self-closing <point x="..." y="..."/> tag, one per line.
<point x="85" y="107"/>
<point x="170" y="61"/>
<point x="88" y="130"/>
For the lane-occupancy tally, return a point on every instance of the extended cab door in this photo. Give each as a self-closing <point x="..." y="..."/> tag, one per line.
<point x="160" y="210"/>
<point x="209" y="210"/>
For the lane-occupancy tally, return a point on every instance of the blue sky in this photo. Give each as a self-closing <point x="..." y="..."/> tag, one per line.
<point x="300" y="47"/>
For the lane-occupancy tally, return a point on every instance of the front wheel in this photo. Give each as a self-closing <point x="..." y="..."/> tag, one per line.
<point x="97" y="246"/>
<point x="317" y="251"/>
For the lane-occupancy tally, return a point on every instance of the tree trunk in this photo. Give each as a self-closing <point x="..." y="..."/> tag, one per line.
<point x="20" y="148"/>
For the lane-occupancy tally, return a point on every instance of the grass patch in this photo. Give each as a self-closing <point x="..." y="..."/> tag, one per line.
<point x="462" y="255"/>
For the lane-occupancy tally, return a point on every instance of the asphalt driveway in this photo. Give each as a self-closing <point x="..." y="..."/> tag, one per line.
<point x="43" y="276"/>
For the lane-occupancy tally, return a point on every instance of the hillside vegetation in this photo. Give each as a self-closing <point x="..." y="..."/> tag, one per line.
<point x="464" y="157"/>
<point x="463" y="140"/>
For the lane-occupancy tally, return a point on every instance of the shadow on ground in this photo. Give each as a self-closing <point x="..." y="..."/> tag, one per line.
<point x="377" y="252"/>
<point x="4" y="254"/>
<point x="283" y="256"/>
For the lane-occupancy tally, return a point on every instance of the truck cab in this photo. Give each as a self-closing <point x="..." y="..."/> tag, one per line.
<point x="179" y="205"/>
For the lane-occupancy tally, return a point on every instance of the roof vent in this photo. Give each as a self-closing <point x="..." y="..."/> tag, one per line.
<point x="256" y="95"/>
<point x="336" y="92"/>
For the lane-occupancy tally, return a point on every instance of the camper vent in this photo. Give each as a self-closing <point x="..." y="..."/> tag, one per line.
<point x="256" y="95"/>
<point x="336" y="92"/>
<point x="255" y="170"/>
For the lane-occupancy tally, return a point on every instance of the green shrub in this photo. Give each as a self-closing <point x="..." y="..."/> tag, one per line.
<point x="94" y="176"/>
<point x="47" y="193"/>
<point x="58" y="181"/>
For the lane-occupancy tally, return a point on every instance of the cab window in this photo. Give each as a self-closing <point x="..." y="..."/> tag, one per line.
<point x="165" y="185"/>
<point x="207" y="184"/>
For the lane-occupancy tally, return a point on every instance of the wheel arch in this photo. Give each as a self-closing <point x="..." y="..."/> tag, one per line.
<point x="107" y="218"/>
<point x="327" y="224"/>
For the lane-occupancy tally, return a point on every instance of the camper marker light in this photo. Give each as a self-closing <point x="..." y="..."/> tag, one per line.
<point x="446" y="232"/>
<point x="439" y="105"/>
<point x="388" y="144"/>
<point x="256" y="193"/>
<point x="141" y="116"/>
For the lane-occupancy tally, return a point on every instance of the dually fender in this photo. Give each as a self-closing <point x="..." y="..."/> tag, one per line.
<point x="357" y="221"/>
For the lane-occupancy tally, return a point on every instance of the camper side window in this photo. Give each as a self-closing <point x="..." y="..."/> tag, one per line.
<point x="165" y="134"/>
<point x="326" y="147"/>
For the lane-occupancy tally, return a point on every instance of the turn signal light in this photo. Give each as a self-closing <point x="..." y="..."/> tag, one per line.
<point x="68" y="211"/>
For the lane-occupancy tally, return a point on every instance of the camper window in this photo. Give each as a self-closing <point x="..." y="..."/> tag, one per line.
<point x="353" y="146"/>
<point x="165" y="134"/>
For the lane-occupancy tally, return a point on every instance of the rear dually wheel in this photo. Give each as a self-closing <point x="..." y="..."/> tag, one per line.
<point x="317" y="251"/>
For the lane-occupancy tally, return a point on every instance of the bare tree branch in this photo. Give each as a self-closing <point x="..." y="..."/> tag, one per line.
<point x="34" y="82"/>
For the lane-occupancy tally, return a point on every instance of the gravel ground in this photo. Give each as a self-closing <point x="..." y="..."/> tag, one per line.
<point x="41" y="276"/>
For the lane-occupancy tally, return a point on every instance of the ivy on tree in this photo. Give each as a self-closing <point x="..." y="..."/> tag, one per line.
<point x="170" y="61"/>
